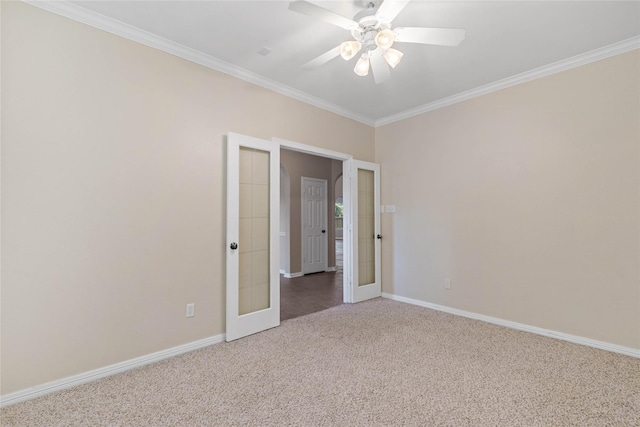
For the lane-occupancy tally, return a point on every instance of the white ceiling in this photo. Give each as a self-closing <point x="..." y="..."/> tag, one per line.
<point x="503" y="39"/>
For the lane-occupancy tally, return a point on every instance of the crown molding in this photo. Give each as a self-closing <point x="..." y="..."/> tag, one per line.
<point x="547" y="70"/>
<point x="96" y="20"/>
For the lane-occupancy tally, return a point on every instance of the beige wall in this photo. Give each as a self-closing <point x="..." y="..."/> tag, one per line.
<point x="113" y="197"/>
<point x="298" y="165"/>
<point x="528" y="199"/>
<point x="113" y="192"/>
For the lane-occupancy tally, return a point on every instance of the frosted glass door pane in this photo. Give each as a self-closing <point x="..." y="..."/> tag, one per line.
<point x="253" y="245"/>
<point x="366" y="228"/>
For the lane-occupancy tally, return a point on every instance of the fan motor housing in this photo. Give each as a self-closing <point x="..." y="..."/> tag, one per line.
<point x="370" y="26"/>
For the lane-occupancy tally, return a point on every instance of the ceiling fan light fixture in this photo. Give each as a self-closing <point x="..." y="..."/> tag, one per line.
<point x="349" y="49"/>
<point x="385" y="38"/>
<point x="362" y="66"/>
<point x="393" y="57"/>
<point x="373" y="34"/>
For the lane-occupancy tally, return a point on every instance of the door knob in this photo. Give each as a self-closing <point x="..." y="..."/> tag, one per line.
<point x="324" y="231"/>
<point x="379" y="236"/>
<point x="234" y="246"/>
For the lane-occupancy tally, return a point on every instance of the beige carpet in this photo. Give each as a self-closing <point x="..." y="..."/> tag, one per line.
<point x="375" y="363"/>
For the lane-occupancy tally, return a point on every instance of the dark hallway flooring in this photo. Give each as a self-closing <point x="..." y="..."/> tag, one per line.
<point x="312" y="292"/>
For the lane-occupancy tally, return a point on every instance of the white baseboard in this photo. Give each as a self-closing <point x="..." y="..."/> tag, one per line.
<point x="602" y="345"/>
<point x="85" y="377"/>
<point x="293" y="275"/>
<point x="330" y="269"/>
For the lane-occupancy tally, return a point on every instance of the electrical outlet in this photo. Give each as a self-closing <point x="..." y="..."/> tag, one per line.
<point x="191" y="310"/>
<point x="447" y="283"/>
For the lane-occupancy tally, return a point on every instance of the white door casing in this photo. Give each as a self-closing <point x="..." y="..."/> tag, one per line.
<point x="346" y="188"/>
<point x="365" y="234"/>
<point x="252" y="244"/>
<point x="239" y="325"/>
<point x="314" y="225"/>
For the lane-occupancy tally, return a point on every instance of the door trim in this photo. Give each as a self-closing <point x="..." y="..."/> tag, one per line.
<point x="346" y="190"/>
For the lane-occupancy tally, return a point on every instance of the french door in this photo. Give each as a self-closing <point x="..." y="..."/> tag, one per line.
<point x="253" y="221"/>
<point x="253" y="282"/>
<point x="365" y="239"/>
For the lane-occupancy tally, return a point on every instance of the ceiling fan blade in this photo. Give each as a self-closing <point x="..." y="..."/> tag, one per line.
<point x="323" y="59"/>
<point x="389" y="9"/>
<point x="438" y="36"/>
<point x="379" y="67"/>
<point x="323" y="14"/>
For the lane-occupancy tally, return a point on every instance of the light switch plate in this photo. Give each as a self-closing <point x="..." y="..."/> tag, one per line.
<point x="191" y="310"/>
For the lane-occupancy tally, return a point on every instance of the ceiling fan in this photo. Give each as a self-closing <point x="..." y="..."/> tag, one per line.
<point x="371" y="28"/>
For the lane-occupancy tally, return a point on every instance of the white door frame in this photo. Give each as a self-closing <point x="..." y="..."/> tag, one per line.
<point x="303" y="209"/>
<point x="347" y="288"/>
<point x="237" y="325"/>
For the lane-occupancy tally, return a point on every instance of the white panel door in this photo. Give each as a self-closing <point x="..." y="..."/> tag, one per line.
<point x="253" y="191"/>
<point x="314" y="225"/>
<point x="365" y="232"/>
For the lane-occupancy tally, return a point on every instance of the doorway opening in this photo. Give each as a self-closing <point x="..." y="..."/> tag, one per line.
<point x="303" y="292"/>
